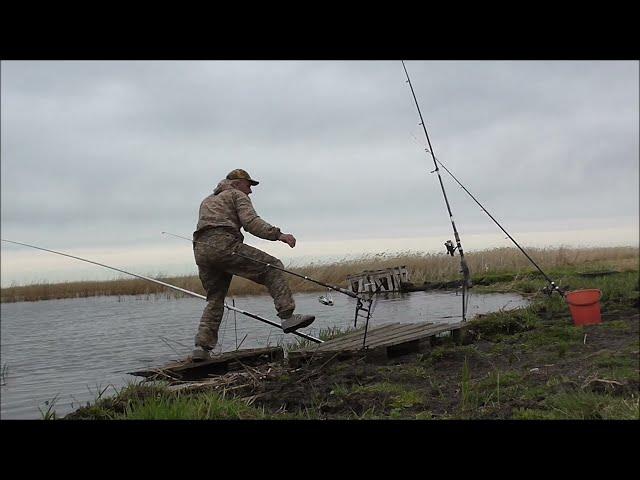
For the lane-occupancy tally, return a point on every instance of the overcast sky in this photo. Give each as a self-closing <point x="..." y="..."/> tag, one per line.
<point x="99" y="157"/>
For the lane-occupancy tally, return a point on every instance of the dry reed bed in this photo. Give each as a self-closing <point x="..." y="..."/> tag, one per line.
<point x="421" y="266"/>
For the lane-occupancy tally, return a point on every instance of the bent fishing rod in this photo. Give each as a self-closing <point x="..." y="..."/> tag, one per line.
<point x="464" y="268"/>
<point x="360" y="300"/>
<point x="189" y="292"/>
<point x="552" y="284"/>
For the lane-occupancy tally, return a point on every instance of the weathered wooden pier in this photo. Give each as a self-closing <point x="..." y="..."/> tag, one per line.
<point x="217" y="365"/>
<point x="382" y="342"/>
<point x="385" y="341"/>
<point x="384" y="280"/>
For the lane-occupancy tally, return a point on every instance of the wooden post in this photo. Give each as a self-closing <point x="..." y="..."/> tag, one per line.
<point x="389" y="283"/>
<point x="397" y="275"/>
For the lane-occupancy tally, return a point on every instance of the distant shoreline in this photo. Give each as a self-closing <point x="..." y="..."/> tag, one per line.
<point x="423" y="267"/>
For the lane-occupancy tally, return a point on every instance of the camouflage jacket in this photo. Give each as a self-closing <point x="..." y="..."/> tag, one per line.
<point x="232" y="209"/>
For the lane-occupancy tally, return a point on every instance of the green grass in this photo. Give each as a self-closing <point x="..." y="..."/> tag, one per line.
<point x="617" y="366"/>
<point x="620" y="288"/>
<point x="393" y="396"/>
<point x="153" y="401"/>
<point x="49" y="412"/>
<point x="582" y="406"/>
<point x="465" y="387"/>
<point x="495" y="325"/>
<point x="206" y="406"/>
<point x="620" y="325"/>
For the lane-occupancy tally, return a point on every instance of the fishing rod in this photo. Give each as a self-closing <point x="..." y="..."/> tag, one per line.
<point x="552" y="284"/>
<point x="189" y="292"/>
<point x="464" y="268"/>
<point x="360" y="301"/>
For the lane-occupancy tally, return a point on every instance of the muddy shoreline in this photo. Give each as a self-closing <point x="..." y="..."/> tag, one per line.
<point x="531" y="363"/>
<point x="512" y="371"/>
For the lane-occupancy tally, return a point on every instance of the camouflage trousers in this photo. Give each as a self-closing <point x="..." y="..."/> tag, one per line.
<point x="217" y="266"/>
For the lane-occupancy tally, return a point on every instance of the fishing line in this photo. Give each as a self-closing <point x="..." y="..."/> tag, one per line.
<point x="225" y="320"/>
<point x="552" y="284"/>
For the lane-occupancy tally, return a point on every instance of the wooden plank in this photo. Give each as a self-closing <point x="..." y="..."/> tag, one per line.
<point x="389" y="282"/>
<point x="215" y="364"/>
<point x="426" y="334"/>
<point x="358" y="333"/>
<point x="357" y="340"/>
<point x="396" y="280"/>
<point x="384" y="344"/>
<point x="355" y="336"/>
<point x="415" y="332"/>
<point x="387" y="334"/>
<point x="381" y="336"/>
<point x="408" y="342"/>
<point x="342" y="338"/>
<point x="414" y="336"/>
<point x="371" y="285"/>
<point x="229" y="356"/>
<point x="405" y="273"/>
<point x="406" y="332"/>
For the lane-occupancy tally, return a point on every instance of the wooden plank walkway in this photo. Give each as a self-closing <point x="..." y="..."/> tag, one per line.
<point x="218" y="365"/>
<point x="386" y="340"/>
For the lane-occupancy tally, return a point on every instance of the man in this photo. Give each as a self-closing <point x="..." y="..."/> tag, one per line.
<point x="215" y="240"/>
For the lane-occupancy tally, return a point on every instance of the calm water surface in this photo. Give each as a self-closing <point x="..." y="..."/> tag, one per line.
<point x="72" y="349"/>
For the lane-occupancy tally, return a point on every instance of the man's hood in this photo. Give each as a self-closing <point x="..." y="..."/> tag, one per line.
<point x="222" y="186"/>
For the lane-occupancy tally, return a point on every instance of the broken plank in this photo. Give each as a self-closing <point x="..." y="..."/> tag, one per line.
<point x="189" y="370"/>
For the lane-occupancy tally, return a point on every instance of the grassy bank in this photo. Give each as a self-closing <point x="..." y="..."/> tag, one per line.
<point x="487" y="267"/>
<point x="531" y="363"/>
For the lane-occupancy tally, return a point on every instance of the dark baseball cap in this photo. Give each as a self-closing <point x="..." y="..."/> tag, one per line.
<point x="240" y="174"/>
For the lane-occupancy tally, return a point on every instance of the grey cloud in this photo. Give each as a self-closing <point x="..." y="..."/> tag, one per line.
<point x="100" y="152"/>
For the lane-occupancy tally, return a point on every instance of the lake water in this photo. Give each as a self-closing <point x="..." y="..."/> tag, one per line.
<point x="72" y="349"/>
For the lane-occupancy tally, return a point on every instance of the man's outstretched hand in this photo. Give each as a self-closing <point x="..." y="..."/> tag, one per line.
<point x="288" y="239"/>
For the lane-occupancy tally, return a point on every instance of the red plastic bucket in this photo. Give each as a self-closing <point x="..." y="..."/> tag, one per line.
<point x="584" y="306"/>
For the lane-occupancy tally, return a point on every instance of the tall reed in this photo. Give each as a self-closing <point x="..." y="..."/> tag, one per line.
<point x="432" y="267"/>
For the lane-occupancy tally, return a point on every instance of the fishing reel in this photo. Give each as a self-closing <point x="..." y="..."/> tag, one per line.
<point x="450" y="248"/>
<point x="549" y="289"/>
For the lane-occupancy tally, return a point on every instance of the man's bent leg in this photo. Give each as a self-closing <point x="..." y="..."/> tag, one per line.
<point x="279" y="290"/>
<point x="276" y="283"/>
<point x="273" y="279"/>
